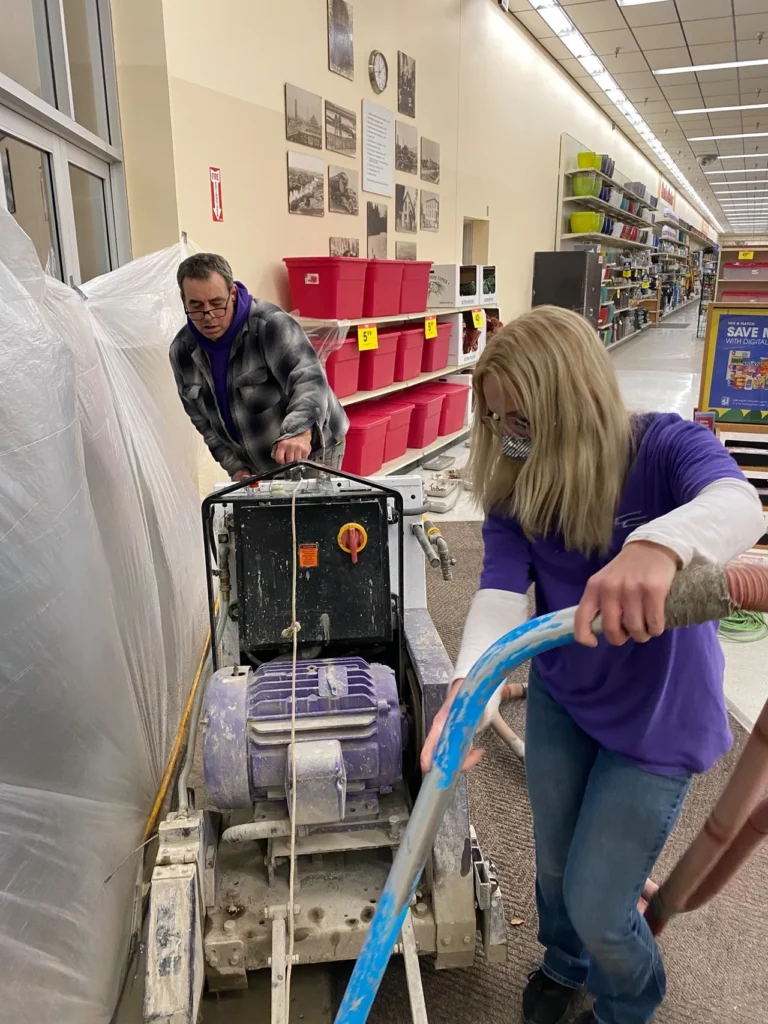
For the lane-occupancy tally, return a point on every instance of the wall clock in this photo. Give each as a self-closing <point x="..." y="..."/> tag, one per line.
<point x="378" y="70"/>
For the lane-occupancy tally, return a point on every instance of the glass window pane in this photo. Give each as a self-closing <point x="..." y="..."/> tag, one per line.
<point x="25" y="54"/>
<point x="90" y="208"/>
<point x="89" y="97"/>
<point x="28" y="195"/>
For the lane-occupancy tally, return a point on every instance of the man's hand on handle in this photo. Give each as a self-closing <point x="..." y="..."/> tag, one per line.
<point x="293" y="449"/>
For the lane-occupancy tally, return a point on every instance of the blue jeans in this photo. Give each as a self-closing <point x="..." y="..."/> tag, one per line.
<point x="599" y="825"/>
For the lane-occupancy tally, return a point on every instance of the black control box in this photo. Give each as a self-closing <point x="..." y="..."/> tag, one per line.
<point x="338" y="599"/>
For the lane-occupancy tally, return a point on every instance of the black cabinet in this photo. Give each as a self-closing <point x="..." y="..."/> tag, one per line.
<point x="568" y="279"/>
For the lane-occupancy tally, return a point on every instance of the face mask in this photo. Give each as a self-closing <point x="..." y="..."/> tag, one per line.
<point x="517" y="448"/>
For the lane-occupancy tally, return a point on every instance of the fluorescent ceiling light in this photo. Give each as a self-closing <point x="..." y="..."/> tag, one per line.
<point x="556" y="17"/>
<point x="746" y="135"/>
<point x="719" y="110"/>
<point x="755" y="181"/>
<point x="711" y="67"/>
<point x="742" y="156"/>
<point x="636" y="3"/>
<point x="750" y="191"/>
<point x="745" y="170"/>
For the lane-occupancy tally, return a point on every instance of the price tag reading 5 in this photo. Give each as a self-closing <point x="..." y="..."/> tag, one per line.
<point x="430" y="327"/>
<point x="746" y="254"/>
<point x="367" y="338"/>
<point x="478" y="320"/>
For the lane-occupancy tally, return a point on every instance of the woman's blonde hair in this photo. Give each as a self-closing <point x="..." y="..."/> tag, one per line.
<point x="554" y="371"/>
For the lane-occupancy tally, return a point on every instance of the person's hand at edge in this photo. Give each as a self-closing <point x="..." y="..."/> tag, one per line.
<point x="433" y="736"/>
<point x="293" y="449"/>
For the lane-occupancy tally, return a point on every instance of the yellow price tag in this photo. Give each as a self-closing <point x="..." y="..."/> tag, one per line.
<point x="478" y="320"/>
<point x="646" y="284"/>
<point x="367" y="338"/>
<point x="430" y="327"/>
<point x="627" y="273"/>
<point x="746" y="254"/>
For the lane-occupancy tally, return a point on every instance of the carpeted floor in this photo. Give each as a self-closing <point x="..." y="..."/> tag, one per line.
<point x="717" y="958"/>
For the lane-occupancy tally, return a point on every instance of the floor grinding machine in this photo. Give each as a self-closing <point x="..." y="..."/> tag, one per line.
<point x="339" y="563"/>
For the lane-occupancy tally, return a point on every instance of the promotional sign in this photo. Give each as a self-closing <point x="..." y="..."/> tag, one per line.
<point x="667" y="193"/>
<point x="735" y="379"/>
<point x="217" y="205"/>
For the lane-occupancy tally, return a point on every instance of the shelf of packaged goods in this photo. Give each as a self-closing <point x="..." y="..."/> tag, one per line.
<point x="606" y="240"/>
<point x="610" y="181"/>
<point x="414" y="456"/>
<point x="593" y="203"/>
<point x="309" y="321"/>
<point x="618" y="287"/>
<point x="400" y="385"/>
<point x="679" y="306"/>
<point x="628" y="337"/>
<point x="605" y="305"/>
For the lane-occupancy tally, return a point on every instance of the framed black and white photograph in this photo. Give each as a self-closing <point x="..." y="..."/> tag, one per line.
<point x="306" y="185"/>
<point x="406" y="208"/>
<point x="303" y="117"/>
<point x="340" y="129"/>
<point x="343" y="190"/>
<point x="406" y="147"/>
<point x="406" y="84"/>
<point x="344" y="246"/>
<point x="341" y="53"/>
<point x="377" y="231"/>
<point x="430" y="211"/>
<point x="430" y="161"/>
<point x="5" y="161"/>
<point x="405" y="251"/>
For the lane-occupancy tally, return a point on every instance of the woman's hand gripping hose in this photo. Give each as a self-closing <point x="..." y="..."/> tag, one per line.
<point x="696" y="596"/>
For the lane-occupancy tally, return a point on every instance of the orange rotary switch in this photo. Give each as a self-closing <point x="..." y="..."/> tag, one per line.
<point x="352" y="538"/>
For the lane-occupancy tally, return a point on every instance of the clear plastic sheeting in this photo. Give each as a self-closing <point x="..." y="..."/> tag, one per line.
<point x="326" y="335"/>
<point x="102" y="615"/>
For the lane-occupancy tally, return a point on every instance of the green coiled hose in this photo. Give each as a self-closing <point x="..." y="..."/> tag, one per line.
<point x="743" y="627"/>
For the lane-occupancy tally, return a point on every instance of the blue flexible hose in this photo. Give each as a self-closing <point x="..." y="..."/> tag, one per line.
<point x="488" y="673"/>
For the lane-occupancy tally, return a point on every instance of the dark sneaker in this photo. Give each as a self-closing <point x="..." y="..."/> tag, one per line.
<point x="546" y="1001"/>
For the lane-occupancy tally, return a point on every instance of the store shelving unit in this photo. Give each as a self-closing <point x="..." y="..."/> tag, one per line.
<point x="605" y="240"/>
<point x="308" y="322"/>
<point x="415" y="456"/>
<point x="613" y="183"/>
<point x="733" y="252"/>
<point x="401" y="385"/>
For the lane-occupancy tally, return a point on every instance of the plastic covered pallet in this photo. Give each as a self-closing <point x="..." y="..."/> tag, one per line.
<point x="102" y="615"/>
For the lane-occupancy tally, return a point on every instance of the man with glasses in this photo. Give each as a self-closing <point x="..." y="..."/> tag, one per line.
<point x="249" y="378"/>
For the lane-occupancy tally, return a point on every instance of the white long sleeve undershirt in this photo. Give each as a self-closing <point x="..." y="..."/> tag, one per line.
<point x="723" y="520"/>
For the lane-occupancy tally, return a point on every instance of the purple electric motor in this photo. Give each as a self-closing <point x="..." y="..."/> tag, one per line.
<point x="349" y="737"/>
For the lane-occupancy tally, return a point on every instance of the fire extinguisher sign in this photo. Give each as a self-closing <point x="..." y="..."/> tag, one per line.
<point x="217" y="204"/>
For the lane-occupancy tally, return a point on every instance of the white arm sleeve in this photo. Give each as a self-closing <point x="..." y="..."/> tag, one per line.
<point x="492" y="614"/>
<point x="724" y="520"/>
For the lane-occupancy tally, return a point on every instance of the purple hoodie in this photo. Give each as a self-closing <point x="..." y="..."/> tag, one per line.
<point x="218" y="352"/>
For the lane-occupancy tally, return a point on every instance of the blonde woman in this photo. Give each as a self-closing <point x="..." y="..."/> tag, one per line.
<point x="598" y="508"/>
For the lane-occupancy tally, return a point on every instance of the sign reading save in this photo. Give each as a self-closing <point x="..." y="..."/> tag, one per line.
<point x="367" y="337"/>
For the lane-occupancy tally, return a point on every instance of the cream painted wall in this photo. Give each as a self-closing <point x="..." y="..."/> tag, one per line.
<point x="495" y="102"/>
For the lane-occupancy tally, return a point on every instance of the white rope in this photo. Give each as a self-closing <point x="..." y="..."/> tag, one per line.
<point x="292" y="631"/>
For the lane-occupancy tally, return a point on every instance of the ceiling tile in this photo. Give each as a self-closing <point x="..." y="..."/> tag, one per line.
<point x="749" y="6"/>
<point x="558" y="50"/>
<point x="535" y="24"/>
<point x="729" y="100"/>
<point x="750" y="49"/>
<point x="651" y="14"/>
<point x="574" y="69"/>
<point x="599" y="16"/>
<point x="676" y="93"/>
<point x="722" y="75"/>
<point x="653" y="107"/>
<point x="636" y="80"/>
<point x="748" y="25"/>
<point x="654" y="37"/>
<point x="690" y="10"/>
<point x="714" y="53"/>
<point x="749" y="74"/>
<point x="625" y="63"/>
<point x="676" y="57"/>
<point x="519" y="5"/>
<point x="606" y="42"/>
<point x="711" y="30"/>
<point x="638" y="95"/>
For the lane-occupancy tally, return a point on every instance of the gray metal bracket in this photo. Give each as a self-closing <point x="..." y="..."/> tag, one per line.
<point x="490" y="906"/>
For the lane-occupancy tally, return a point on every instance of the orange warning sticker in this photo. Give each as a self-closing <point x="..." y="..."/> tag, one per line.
<point x="308" y="556"/>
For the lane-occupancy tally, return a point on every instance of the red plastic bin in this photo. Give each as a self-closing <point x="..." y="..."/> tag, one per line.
<point x="410" y="351"/>
<point x="383" y="284"/>
<point x="342" y="368"/>
<point x="377" y="365"/>
<point x="454" y="406"/>
<point x="399" y="411"/>
<point x="425" y="418"/>
<point x="415" y="290"/>
<point x="366" y="438"/>
<point x="329" y="287"/>
<point x="436" y="350"/>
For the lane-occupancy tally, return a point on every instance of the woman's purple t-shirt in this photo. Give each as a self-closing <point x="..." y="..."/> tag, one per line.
<point x="660" y="704"/>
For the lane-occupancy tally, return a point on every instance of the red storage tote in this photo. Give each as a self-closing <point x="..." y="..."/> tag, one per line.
<point x="399" y="411"/>
<point x="415" y="290"/>
<point x="327" y="287"/>
<point x="454" y="406"/>
<point x="410" y="350"/>
<point x="436" y="350"/>
<point x="367" y="435"/>
<point x="425" y="418"/>
<point x="342" y="368"/>
<point x="752" y="270"/>
<point x="383" y="283"/>
<point x="377" y="365"/>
